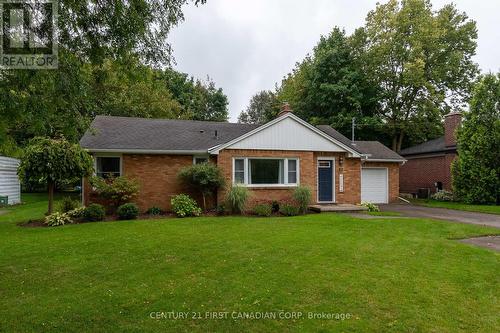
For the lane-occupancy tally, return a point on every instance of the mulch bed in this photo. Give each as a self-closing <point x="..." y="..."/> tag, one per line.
<point x="40" y="223"/>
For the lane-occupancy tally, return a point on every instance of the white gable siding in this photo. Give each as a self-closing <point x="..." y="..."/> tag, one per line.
<point x="288" y="134"/>
<point x="9" y="182"/>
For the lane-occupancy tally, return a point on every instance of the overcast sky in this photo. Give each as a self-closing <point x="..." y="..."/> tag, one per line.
<point x="248" y="45"/>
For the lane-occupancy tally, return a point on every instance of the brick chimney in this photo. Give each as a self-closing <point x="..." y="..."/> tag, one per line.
<point x="451" y="123"/>
<point x="285" y="108"/>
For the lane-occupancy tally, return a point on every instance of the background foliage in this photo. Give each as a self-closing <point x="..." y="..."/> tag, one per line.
<point x="476" y="172"/>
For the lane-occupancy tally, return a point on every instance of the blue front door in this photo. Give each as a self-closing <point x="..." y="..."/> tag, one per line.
<point x="325" y="181"/>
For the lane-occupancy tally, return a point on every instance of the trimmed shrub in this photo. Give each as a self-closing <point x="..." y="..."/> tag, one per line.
<point x="154" y="211"/>
<point x="183" y="205"/>
<point x="76" y="213"/>
<point x="220" y="210"/>
<point x="67" y="204"/>
<point x="276" y="206"/>
<point x="94" y="212"/>
<point x="57" y="219"/>
<point x="128" y="211"/>
<point x="302" y="195"/>
<point x="117" y="190"/>
<point x="442" y="196"/>
<point x="289" y="210"/>
<point x="263" y="210"/>
<point x="236" y="199"/>
<point x="371" y="206"/>
<point x="205" y="178"/>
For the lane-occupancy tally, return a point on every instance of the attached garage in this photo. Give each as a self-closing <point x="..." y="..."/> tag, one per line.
<point x="374" y="185"/>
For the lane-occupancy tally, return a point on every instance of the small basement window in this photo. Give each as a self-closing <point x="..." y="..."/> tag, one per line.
<point x="107" y="166"/>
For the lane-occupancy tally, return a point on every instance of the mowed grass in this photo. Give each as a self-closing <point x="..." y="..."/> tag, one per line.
<point x="392" y="275"/>
<point x="490" y="209"/>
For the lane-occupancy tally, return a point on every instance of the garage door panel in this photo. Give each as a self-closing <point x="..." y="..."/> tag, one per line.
<point x="374" y="185"/>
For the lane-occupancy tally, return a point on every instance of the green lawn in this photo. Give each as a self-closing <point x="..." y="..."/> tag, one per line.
<point x="391" y="275"/>
<point x="490" y="209"/>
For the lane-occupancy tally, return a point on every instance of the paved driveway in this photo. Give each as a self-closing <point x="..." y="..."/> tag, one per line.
<point x="444" y="214"/>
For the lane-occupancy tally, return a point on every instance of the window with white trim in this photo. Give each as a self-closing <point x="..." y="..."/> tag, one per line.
<point x="200" y="160"/>
<point x="108" y="166"/>
<point x="254" y="171"/>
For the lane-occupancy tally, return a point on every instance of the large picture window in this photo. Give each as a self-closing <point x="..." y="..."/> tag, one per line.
<point x="108" y="166"/>
<point x="266" y="171"/>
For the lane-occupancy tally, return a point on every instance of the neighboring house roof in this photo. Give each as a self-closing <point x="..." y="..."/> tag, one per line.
<point x="142" y="135"/>
<point x="373" y="150"/>
<point x="108" y="134"/>
<point x="428" y="147"/>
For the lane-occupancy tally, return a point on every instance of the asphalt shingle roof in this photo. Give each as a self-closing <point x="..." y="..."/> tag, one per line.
<point x="431" y="146"/>
<point x="127" y="133"/>
<point x="112" y="133"/>
<point x="373" y="149"/>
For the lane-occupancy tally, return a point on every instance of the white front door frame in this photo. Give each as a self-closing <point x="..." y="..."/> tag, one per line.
<point x="325" y="158"/>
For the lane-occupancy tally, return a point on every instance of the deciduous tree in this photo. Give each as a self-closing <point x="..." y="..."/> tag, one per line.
<point x="421" y="60"/>
<point x="49" y="161"/>
<point x="476" y="172"/>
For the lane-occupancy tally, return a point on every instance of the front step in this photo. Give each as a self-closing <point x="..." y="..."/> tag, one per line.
<point x="344" y="208"/>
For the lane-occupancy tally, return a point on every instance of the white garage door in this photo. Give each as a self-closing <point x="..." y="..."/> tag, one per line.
<point x="374" y="185"/>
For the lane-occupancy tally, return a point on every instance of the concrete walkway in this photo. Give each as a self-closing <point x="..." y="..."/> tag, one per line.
<point x="489" y="242"/>
<point x="453" y="215"/>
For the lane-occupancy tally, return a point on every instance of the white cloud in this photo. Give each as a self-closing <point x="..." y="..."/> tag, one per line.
<point x="247" y="46"/>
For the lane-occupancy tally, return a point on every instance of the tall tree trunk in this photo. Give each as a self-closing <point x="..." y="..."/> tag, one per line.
<point x="204" y="202"/>
<point x="395" y="142"/>
<point x="51" y="186"/>
<point x="400" y="141"/>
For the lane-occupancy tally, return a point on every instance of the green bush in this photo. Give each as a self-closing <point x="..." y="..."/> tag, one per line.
<point x="236" y="199"/>
<point x="276" y="206"/>
<point x="263" y="209"/>
<point x="220" y="210"/>
<point x="371" y="206"/>
<point x="154" y="211"/>
<point x="57" y="219"/>
<point x="67" y="204"/>
<point x="117" y="190"/>
<point x="289" y="210"/>
<point x="183" y="205"/>
<point x="128" y="211"/>
<point x="204" y="178"/>
<point x="76" y="213"/>
<point x="302" y="195"/>
<point x="442" y="196"/>
<point x="94" y="212"/>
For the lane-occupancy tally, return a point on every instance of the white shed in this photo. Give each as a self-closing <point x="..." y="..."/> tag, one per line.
<point x="9" y="181"/>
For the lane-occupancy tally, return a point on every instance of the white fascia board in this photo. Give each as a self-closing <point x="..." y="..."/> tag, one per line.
<point x="147" y="151"/>
<point x="385" y="160"/>
<point x="215" y="150"/>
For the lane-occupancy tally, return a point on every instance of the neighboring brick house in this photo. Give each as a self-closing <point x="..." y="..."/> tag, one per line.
<point x="270" y="159"/>
<point x="428" y="166"/>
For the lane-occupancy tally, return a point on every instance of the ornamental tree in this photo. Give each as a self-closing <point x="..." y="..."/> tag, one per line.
<point x="205" y="178"/>
<point x="476" y="172"/>
<point x="50" y="161"/>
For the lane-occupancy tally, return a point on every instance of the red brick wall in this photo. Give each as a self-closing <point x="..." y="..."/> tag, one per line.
<point x="157" y="177"/>
<point x="308" y="174"/>
<point x="393" y="170"/>
<point x="423" y="172"/>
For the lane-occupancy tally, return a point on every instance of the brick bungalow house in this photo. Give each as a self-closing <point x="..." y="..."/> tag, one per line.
<point x="270" y="159"/>
<point x="428" y="164"/>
